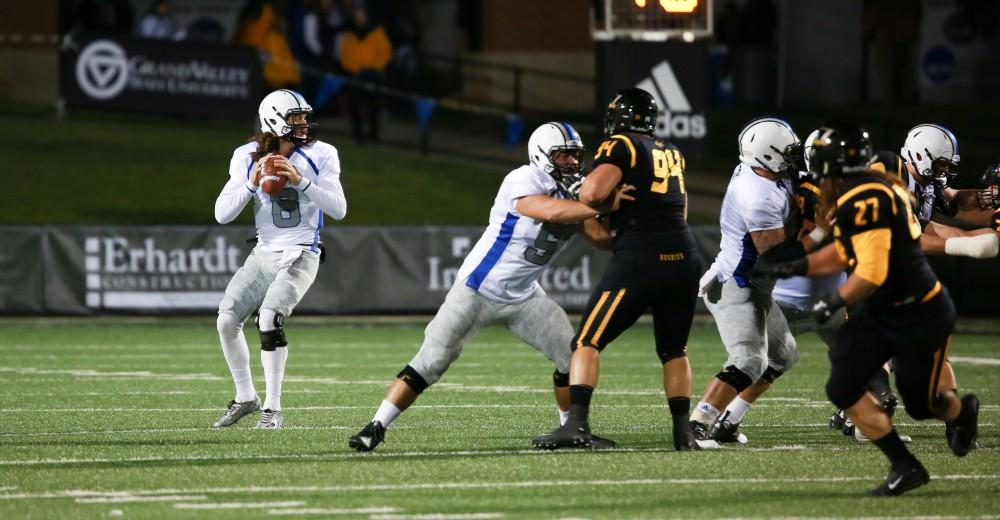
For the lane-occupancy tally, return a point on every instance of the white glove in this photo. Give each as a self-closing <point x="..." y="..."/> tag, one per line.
<point x="710" y="278"/>
<point x="980" y="246"/>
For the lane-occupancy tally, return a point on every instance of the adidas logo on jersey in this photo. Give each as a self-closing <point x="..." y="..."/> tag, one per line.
<point x="676" y="120"/>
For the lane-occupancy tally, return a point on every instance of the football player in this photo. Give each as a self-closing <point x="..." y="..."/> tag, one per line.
<point x="899" y="309"/>
<point x="534" y="213"/>
<point x="283" y="264"/>
<point x="655" y="266"/>
<point x="927" y="162"/>
<point x="795" y="297"/>
<point x="759" y="219"/>
<point x="989" y="196"/>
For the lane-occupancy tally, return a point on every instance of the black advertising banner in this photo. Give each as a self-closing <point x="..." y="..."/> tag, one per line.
<point x="161" y="77"/>
<point x="171" y="269"/>
<point x="21" y="281"/>
<point x="675" y="73"/>
<point x="94" y="270"/>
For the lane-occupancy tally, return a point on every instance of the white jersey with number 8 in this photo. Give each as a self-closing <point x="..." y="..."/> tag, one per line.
<point x="293" y="217"/>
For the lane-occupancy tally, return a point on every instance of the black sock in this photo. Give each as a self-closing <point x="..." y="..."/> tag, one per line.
<point x="680" y="407"/>
<point x="579" y="398"/>
<point x="896" y="451"/>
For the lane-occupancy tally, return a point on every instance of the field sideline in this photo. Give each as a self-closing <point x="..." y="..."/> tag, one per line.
<point x="110" y="417"/>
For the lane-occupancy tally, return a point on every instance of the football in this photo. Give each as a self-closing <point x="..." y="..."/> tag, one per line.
<point x="270" y="181"/>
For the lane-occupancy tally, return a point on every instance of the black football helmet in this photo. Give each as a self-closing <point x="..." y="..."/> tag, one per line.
<point x="839" y="149"/>
<point x="631" y="110"/>
<point x="989" y="196"/>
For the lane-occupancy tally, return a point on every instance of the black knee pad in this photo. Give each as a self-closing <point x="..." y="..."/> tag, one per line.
<point x="735" y="378"/>
<point x="669" y="354"/>
<point x="770" y="375"/>
<point x="272" y="339"/>
<point x="560" y="380"/>
<point x="413" y="379"/>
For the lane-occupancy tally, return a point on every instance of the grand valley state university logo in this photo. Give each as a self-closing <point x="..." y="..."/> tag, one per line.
<point x="102" y="69"/>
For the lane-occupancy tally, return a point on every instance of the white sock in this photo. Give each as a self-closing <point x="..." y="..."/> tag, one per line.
<point x="705" y="413"/>
<point x="234" y="348"/>
<point x="274" y="374"/>
<point x="736" y="410"/>
<point x="387" y="412"/>
<point x="563" y="416"/>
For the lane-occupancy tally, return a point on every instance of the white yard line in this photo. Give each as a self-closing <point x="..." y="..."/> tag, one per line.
<point x="77" y="493"/>
<point x="325" y="511"/>
<point x="974" y="360"/>
<point x="138" y="498"/>
<point x="238" y="505"/>
<point x="798" y="403"/>
<point x="438" y="516"/>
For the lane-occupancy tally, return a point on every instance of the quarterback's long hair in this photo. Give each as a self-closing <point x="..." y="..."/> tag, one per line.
<point x="267" y="143"/>
<point x="834" y="186"/>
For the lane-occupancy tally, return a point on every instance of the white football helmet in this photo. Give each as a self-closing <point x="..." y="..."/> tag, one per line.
<point x="933" y="150"/>
<point x="277" y="107"/>
<point x="554" y="137"/>
<point x="808" y="145"/>
<point x="764" y="142"/>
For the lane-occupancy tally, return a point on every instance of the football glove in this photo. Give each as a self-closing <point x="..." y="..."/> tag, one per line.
<point x="573" y="190"/>
<point x="825" y="308"/>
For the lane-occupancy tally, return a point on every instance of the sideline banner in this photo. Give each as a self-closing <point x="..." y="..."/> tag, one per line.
<point x="159" y="76"/>
<point x="184" y="269"/>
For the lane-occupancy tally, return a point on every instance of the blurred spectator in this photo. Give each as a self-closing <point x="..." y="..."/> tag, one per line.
<point x="364" y="53"/>
<point x="156" y="23"/>
<point x="404" y="33"/>
<point x="113" y="16"/>
<point x="308" y="35"/>
<point x="259" y="26"/>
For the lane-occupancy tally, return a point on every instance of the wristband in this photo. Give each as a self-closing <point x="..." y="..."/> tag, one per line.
<point x="818" y="235"/>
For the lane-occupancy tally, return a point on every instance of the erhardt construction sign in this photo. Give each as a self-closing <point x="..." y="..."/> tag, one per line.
<point x="122" y="274"/>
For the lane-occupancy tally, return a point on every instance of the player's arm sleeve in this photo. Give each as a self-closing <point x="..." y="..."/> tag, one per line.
<point x="326" y="191"/>
<point x="237" y="191"/>
<point x="867" y="218"/>
<point x="521" y="184"/>
<point x="763" y="214"/>
<point x="617" y="150"/>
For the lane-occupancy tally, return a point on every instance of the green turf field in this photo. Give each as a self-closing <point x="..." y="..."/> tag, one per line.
<point x="107" y="417"/>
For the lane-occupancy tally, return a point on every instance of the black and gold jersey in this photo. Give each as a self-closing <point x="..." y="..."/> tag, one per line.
<point x="995" y="221"/>
<point x="656" y="169"/>
<point x="807" y="199"/>
<point x="878" y="237"/>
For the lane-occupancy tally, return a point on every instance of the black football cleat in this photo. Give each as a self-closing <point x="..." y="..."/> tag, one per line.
<point x="962" y="432"/>
<point x="700" y="432"/>
<point x="368" y="438"/>
<point x="569" y="435"/>
<point x="837" y="421"/>
<point x="600" y="443"/>
<point x="901" y="481"/>
<point x="725" y="432"/>
<point x="889" y="403"/>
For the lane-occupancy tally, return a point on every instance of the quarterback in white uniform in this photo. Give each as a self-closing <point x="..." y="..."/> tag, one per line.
<point x="758" y="220"/>
<point x="534" y="213"/>
<point x="283" y="265"/>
